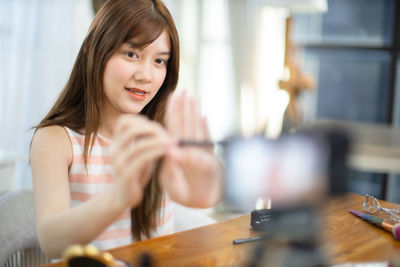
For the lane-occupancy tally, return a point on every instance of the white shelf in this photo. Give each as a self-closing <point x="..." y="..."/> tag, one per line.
<point x="8" y="158"/>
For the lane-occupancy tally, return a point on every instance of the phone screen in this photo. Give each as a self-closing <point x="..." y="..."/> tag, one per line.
<point x="288" y="171"/>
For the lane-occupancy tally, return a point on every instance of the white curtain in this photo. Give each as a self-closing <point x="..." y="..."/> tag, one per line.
<point x="207" y="60"/>
<point x="39" y="40"/>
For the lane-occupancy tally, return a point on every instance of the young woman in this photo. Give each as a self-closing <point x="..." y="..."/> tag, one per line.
<point x="105" y="159"/>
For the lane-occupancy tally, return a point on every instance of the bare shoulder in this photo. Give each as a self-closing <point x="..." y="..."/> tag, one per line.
<point x="51" y="141"/>
<point x="50" y="159"/>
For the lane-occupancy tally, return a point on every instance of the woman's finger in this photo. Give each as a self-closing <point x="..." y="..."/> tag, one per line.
<point x="175" y="116"/>
<point x="137" y="169"/>
<point x="133" y="151"/>
<point x="130" y="130"/>
<point x="197" y="123"/>
<point x="205" y="131"/>
<point x="186" y="118"/>
<point x="189" y="118"/>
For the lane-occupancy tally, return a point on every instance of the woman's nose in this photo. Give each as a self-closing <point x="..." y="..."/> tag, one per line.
<point x="143" y="72"/>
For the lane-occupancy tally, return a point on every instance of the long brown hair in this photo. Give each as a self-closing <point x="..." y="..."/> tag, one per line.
<point x="81" y="101"/>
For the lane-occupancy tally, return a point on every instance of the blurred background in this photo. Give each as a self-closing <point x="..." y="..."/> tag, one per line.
<point x="257" y="66"/>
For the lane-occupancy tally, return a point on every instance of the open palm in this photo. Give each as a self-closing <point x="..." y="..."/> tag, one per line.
<point x="190" y="175"/>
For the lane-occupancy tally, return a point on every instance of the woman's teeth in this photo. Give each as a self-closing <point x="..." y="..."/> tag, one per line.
<point x="136" y="91"/>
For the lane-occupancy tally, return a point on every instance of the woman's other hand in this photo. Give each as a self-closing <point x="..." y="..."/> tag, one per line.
<point x="190" y="175"/>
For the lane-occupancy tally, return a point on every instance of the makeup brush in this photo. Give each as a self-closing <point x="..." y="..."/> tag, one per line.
<point x="201" y="143"/>
<point x="378" y="222"/>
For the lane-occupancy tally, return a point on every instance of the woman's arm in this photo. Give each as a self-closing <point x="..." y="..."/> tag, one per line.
<point x="59" y="225"/>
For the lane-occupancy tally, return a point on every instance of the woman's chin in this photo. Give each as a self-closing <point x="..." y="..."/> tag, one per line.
<point x="133" y="110"/>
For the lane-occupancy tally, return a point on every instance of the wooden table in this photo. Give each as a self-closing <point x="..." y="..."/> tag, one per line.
<point x="351" y="239"/>
<point x="346" y="237"/>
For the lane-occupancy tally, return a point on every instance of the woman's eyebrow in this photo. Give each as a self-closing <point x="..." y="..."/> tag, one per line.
<point x="134" y="46"/>
<point x="131" y="44"/>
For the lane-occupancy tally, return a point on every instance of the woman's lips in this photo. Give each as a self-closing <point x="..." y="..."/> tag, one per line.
<point x="137" y="93"/>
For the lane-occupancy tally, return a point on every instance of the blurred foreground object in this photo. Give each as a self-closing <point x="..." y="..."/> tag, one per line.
<point x="293" y="170"/>
<point x="291" y="238"/>
<point x="90" y="256"/>
<point x="297" y="172"/>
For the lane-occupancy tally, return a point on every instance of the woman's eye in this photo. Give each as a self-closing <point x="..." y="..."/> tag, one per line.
<point x="131" y="54"/>
<point x="161" y="61"/>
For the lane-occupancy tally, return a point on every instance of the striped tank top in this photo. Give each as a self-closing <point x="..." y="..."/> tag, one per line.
<point x="99" y="176"/>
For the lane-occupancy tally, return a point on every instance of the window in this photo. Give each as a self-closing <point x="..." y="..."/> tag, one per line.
<point x="352" y="53"/>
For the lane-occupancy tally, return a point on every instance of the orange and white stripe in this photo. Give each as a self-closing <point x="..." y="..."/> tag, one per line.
<point x="100" y="176"/>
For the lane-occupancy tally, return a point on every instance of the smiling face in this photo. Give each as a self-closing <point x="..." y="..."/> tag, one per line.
<point x="132" y="76"/>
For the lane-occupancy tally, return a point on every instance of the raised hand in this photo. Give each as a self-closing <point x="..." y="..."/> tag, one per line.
<point x="137" y="144"/>
<point x="190" y="175"/>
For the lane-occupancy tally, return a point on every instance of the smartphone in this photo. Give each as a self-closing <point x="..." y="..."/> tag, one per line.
<point x="288" y="171"/>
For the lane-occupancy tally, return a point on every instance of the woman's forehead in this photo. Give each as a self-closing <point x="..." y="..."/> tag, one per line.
<point x="145" y="33"/>
<point x="162" y="41"/>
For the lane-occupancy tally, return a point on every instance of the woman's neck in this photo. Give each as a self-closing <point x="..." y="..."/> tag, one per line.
<point x="107" y="123"/>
